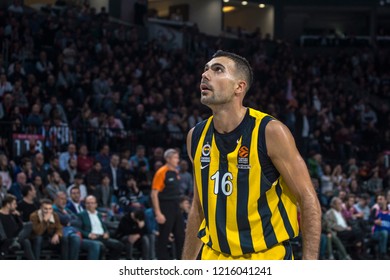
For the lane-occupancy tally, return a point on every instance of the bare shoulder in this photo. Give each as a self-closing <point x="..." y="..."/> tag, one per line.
<point x="278" y="138"/>
<point x="189" y="138"/>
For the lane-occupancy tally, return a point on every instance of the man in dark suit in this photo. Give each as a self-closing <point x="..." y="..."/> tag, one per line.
<point x="94" y="228"/>
<point x="74" y="203"/>
<point x="115" y="173"/>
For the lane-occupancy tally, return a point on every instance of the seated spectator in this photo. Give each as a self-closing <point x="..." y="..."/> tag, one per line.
<point x="157" y="156"/>
<point x="329" y="239"/>
<point x="68" y="175"/>
<point x="40" y="189"/>
<point x="3" y="191"/>
<point x="115" y="173"/>
<point x="131" y="197"/>
<point x="133" y="233"/>
<point x="75" y="204"/>
<point x="43" y="66"/>
<point x="186" y="180"/>
<point x="5" y="86"/>
<point x="84" y="161"/>
<point x="104" y="156"/>
<point x="13" y="234"/>
<point x="26" y="168"/>
<point x="16" y="188"/>
<point x="65" y="156"/>
<point x="78" y="182"/>
<point x="39" y="167"/>
<point x="54" y="164"/>
<point x="46" y="230"/>
<point x="70" y="239"/>
<point x="55" y="184"/>
<point x="339" y="225"/>
<point x="94" y="177"/>
<point x="104" y="194"/>
<point x="138" y="157"/>
<point x="72" y="236"/>
<point x="380" y="216"/>
<point x="93" y="228"/>
<point x="35" y="118"/>
<point x="28" y="204"/>
<point x="29" y="155"/>
<point x="6" y="171"/>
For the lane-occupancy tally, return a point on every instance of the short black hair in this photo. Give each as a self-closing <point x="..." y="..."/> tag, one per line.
<point x="139" y="215"/>
<point x="25" y="189"/>
<point x="242" y="65"/>
<point x="8" y="199"/>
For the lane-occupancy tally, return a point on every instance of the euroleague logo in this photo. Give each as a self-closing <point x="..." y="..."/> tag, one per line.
<point x="243" y="152"/>
<point x="243" y="158"/>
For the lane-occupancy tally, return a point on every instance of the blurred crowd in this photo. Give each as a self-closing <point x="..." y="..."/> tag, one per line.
<point x="100" y="103"/>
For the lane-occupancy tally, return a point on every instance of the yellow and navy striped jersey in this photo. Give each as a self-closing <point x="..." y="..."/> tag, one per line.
<point x="246" y="204"/>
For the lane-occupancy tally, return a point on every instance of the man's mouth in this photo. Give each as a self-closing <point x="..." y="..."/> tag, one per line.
<point x="204" y="87"/>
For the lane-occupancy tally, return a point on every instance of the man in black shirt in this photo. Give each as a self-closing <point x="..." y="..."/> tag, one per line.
<point x="27" y="205"/>
<point x="12" y="231"/>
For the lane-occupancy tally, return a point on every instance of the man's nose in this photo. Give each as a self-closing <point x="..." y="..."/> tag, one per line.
<point x="205" y="74"/>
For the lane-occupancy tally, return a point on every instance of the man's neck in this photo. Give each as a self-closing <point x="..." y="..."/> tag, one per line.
<point x="74" y="202"/>
<point x="5" y="211"/>
<point x="226" y="121"/>
<point x="28" y="200"/>
<point x="171" y="167"/>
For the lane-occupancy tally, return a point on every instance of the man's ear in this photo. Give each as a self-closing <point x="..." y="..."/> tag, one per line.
<point x="240" y="87"/>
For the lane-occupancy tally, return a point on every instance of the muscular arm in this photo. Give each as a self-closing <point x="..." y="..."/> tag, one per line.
<point x="286" y="158"/>
<point x="192" y="244"/>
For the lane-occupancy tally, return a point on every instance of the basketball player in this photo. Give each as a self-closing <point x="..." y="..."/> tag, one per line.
<point x="249" y="176"/>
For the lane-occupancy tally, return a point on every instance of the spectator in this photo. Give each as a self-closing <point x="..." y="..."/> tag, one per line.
<point x="84" y="161"/>
<point x="40" y="189"/>
<point x="94" y="177"/>
<point x="133" y="233"/>
<point x="131" y="198"/>
<point x="104" y="156"/>
<point x="115" y="173"/>
<point x="46" y="230"/>
<point x="138" y="157"/>
<point x="72" y="236"/>
<point x="338" y="224"/>
<point x="186" y="181"/>
<point x="12" y="231"/>
<point x="70" y="239"/>
<point x="16" y="188"/>
<point x="65" y="156"/>
<point x="55" y="185"/>
<point x="44" y="66"/>
<point x="93" y="228"/>
<point x="3" y="191"/>
<point x="5" y="86"/>
<point x="157" y="156"/>
<point x="75" y="204"/>
<point x="69" y="174"/>
<point x="78" y="182"/>
<point x="27" y="205"/>
<point x="6" y="171"/>
<point x="104" y="194"/>
<point x="39" y="167"/>
<point x="380" y="216"/>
